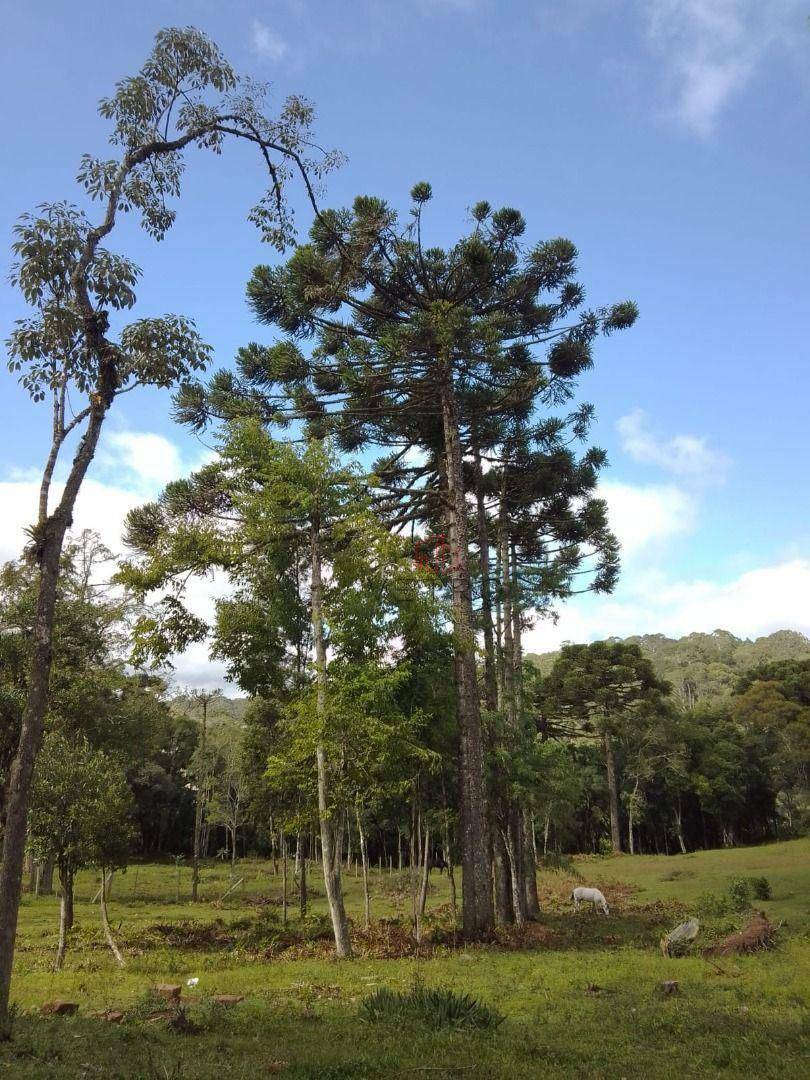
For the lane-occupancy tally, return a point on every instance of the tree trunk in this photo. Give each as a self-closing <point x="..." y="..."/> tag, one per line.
<point x="65" y="915"/>
<point x="504" y="911"/>
<point x="513" y="840"/>
<point x="420" y="910"/>
<point x="329" y="834"/>
<point x="44" y="883"/>
<point x="364" y="856"/>
<point x="613" y="795"/>
<point x="679" y="827"/>
<point x="199" y="812"/>
<point x="302" y="882"/>
<point x="476" y="872"/>
<point x="530" y="868"/>
<point x="105" y="921"/>
<point x="283" y="844"/>
<point x="490" y="669"/>
<point x="631" y="815"/>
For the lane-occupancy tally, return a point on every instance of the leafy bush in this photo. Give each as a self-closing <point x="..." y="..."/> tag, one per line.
<point x="712" y="906"/>
<point x="433" y="1007"/>
<point x="558" y="863"/>
<point x="761" y="888"/>
<point x="739" y="893"/>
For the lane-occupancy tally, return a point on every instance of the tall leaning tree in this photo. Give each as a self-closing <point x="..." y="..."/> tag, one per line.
<point x="66" y="353"/>
<point x="401" y="334"/>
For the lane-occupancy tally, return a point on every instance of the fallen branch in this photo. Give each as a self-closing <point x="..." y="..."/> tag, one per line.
<point x="234" y="886"/>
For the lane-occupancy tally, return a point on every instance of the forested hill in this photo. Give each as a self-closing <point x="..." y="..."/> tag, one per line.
<point x="706" y="665"/>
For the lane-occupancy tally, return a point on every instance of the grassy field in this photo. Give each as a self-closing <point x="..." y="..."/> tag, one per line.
<point x="738" y="1017"/>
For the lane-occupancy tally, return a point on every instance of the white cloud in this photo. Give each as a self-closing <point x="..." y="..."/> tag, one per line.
<point x="710" y="49"/>
<point x="686" y="456"/>
<point x="130" y="467"/>
<point x="142" y="459"/>
<point x="267" y="44"/>
<point x="754" y="603"/>
<point x="646" y="517"/>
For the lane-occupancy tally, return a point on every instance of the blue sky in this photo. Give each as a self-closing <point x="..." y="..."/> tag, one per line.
<point x="667" y="138"/>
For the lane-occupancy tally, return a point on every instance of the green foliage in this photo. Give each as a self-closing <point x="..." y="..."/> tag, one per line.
<point x="738" y="891"/>
<point x="429" y="1007"/>
<point x="80" y="806"/>
<point x="760" y="888"/>
<point x="712" y="905"/>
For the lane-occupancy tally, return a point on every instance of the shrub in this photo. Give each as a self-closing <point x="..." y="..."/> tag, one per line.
<point x="433" y="1007"/>
<point x="558" y="863"/>
<point x="760" y="888"/>
<point x="739" y="893"/>
<point x="712" y="906"/>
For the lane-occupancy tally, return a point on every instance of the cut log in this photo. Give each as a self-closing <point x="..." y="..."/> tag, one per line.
<point x="226" y="1000"/>
<point x="169" y="991"/>
<point x="757" y="934"/>
<point x="59" y="1008"/>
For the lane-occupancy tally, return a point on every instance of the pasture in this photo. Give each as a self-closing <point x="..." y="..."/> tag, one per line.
<point x="580" y="995"/>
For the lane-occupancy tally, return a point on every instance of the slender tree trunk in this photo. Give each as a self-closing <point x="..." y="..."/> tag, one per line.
<point x="504" y="911"/>
<point x="613" y="795"/>
<point x="364" y="856"/>
<point x="679" y="827"/>
<point x="490" y="668"/>
<point x="513" y="841"/>
<point x="448" y="855"/>
<point x="631" y="814"/>
<point x="65" y="915"/>
<point x="476" y="872"/>
<point x="199" y="811"/>
<point x="283" y="844"/>
<point x="105" y="921"/>
<point x="546" y="827"/>
<point x="330" y="836"/>
<point x="302" y="882"/>
<point x="420" y="911"/>
<point x="530" y="868"/>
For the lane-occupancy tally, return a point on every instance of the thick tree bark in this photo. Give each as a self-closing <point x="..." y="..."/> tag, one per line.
<point x="478" y="916"/>
<point x="330" y="835"/>
<point x="613" y="795"/>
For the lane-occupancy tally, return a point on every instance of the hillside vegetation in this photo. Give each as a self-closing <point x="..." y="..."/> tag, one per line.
<point x="701" y="666"/>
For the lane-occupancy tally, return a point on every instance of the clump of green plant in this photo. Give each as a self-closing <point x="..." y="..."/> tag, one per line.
<point x="432" y="1007"/>
<point x="145" y="1005"/>
<point x="712" y="906"/>
<point x="738" y="891"/>
<point x="761" y="888"/>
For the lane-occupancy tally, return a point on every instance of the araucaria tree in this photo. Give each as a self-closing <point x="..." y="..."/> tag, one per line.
<point x="418" y="347"/>
<point x="186" y="95"/>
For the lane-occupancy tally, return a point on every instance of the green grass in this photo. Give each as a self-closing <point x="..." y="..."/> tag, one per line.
<point x="302" y="1008"/>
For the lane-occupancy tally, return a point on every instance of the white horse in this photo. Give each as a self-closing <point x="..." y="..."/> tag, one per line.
<point x="593" y="896"/>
